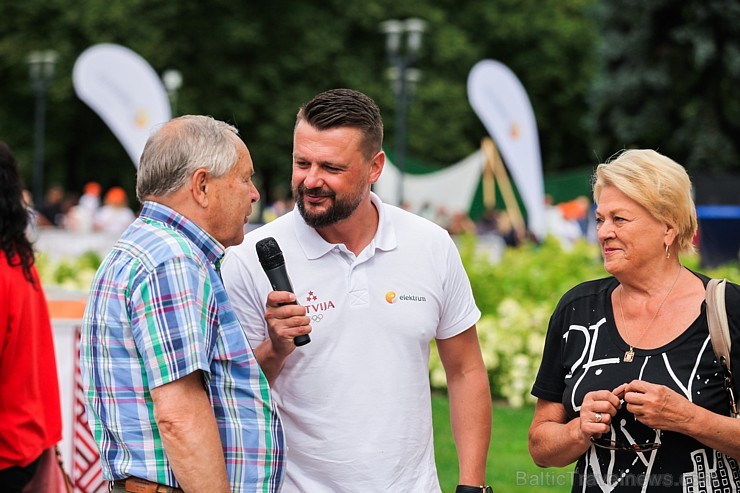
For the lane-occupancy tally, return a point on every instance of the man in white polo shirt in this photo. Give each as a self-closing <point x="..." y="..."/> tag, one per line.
<point x="374" y="285"/>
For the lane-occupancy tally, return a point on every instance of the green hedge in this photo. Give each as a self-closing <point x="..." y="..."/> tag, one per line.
<point x="516" y="296"/>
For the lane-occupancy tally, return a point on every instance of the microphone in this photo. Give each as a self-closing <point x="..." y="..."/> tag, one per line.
<point x="273" y="263"/>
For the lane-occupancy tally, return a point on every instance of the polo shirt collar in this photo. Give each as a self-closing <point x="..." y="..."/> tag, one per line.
<point x="211" y="248"/>
<point x="314" y="246"/>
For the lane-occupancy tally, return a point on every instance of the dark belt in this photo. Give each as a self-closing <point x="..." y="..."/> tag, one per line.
<point x="138" y="485"/>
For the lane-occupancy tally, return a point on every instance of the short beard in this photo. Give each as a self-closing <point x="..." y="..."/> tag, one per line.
<point x="341" y="208"/>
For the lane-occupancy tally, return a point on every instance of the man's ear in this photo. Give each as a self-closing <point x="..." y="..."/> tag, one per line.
<point x="376" y="167"/>
<point x="199" y="187"/>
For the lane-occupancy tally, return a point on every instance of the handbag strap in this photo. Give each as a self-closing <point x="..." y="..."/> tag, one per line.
<point x="67" y="480"/>
<point x="719" y="333"/>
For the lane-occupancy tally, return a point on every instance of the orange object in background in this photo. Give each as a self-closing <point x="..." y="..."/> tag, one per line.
<point x="575" y="209"/>
<point x="66" y="308"/>
<point x="116" y="196"/>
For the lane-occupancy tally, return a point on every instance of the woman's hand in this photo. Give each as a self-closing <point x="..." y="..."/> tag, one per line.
<point x="657" y="406"/>
<point x="661" y="408"/>
<point x="597" y="411"/>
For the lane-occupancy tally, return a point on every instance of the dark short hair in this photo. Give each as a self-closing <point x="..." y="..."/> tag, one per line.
<point x="346" y="108"/>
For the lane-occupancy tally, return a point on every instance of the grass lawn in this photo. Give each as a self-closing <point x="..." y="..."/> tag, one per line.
<point x="510" y="468"/>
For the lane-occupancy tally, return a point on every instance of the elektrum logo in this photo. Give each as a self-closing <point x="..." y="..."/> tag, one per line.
<point x="391" y="297"/>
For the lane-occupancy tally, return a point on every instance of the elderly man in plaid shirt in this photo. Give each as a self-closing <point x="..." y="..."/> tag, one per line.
<point x="175" y="398"/>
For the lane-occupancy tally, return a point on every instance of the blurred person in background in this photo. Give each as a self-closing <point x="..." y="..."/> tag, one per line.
<point x="461" y="223"/>
<point x="577" y="210"/>
<point x="30" y="410"/>
<point x="90" y="198"/>
<point x="50" y="211"/>
<point x="560" y="226"/>
<point x="115" y="215"/>
<point x="82" y="215"/>
<point x="32" y="230"/>
<point x="629" y="386"/>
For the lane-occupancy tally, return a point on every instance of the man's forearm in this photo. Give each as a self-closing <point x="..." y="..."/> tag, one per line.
<point x="270" y="362"/>
<point x="470" y="416"/>
<point x="190" y="435"/>
<point x="470" y="403"/>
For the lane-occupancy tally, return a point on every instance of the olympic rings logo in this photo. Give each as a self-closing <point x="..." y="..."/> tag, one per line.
<point x="317" y="317"/>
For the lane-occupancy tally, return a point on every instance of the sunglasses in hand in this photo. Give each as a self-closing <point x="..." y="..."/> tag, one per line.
<point x="605" y="443"/>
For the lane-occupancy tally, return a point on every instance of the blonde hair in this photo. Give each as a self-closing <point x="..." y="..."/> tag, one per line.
<point x="657" y="183"/>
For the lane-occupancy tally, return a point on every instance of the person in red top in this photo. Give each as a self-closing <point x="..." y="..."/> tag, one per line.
<point x="30" y="410"/>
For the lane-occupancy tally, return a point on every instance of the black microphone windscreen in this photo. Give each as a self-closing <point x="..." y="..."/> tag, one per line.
<point x="269" y="253"/>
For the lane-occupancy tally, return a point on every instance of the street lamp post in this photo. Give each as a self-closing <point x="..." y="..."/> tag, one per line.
<point x="41" y="70"/>
<point x="403" y="79"/>
<point x="172" y="80"/>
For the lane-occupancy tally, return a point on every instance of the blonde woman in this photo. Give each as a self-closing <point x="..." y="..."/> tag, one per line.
<point x="629" y="387"/>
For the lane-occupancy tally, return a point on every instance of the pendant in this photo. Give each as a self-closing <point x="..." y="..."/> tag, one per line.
<point x="629" y="356"/>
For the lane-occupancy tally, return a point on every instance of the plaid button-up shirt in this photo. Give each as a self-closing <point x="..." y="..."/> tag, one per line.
<point x="158" y="311"/>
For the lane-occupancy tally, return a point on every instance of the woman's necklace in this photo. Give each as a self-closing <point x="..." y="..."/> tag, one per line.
<point x="630" y="354"/>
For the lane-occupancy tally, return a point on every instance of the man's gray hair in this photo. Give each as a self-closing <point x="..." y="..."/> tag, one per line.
<point x="179" y="148"/>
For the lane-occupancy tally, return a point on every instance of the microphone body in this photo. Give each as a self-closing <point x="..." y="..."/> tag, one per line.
<point x="273" y="263"/>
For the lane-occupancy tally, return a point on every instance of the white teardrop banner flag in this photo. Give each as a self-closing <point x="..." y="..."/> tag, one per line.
<point x="125" y="91"/>
<point x="502" y="104"/>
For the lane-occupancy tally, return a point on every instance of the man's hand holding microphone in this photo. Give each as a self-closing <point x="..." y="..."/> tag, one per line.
<point x="287" y="322"/>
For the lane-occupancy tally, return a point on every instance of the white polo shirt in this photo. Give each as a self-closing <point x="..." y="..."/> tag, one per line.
<point x="355" y="402"/>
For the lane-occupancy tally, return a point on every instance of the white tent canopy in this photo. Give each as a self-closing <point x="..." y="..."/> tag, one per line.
<point x="452" y="188"/>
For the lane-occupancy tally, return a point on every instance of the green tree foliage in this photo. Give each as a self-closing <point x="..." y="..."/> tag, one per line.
<point x="669" y="77"/>
<point x="254" y="63"/>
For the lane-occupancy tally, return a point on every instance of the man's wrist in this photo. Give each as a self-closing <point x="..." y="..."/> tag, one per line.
<point x="465" y="488"/>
